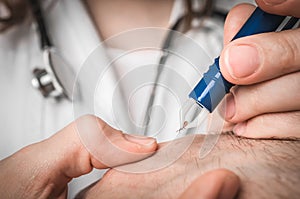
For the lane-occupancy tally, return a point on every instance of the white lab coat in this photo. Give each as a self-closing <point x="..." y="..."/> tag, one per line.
<point x="26" y="117"/>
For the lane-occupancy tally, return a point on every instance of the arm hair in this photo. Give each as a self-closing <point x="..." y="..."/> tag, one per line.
<point x="268" y="168"/>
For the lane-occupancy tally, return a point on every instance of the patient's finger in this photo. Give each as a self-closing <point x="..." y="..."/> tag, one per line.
<point x="111" y="147"/>
<point x="278" y="125"/>
<point x="217" y="184"/>
<point x="281" y="7"/>
<point x="277" y="95"/>
<point x="45" y="168"/>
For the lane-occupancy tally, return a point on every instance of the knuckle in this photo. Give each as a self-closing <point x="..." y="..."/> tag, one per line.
<point x="294" y="117"/>
<point x="291" y="123"/>
<point x="254" y="96"/>
<point x="291" y="51"/>
<point x="260" y="121"/>
<point x="295" y="83"/>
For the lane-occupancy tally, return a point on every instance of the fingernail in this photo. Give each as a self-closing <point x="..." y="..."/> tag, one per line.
<point x="230" y="107"/>
<point x="242" y="60"/>
<point x="273" y="2"/>
<point x="240" y="128"/>
<point x="139" y="139"/>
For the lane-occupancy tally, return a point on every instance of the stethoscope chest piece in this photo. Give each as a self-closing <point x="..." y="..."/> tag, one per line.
<point x="55" y="79"/>
<point x="45" y="80"/>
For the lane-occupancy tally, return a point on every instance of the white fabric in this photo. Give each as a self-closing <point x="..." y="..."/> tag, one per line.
<point x="26" y="117"/>
<point x="226" y="5"/>
<point x="178" y="10"/>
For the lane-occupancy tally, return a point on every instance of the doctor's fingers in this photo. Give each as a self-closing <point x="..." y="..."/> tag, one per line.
<point x="277" y="95"/>
<point x="272" y="125"/>
<point x="239" y="14"/>
<point x="261" y="57"/>
<point x="235" y="19"/>
<point x="217" y="184"/>
<point x="45" y="168"/>
<point x="267" y="109"/>
<point x="281" y="7"/>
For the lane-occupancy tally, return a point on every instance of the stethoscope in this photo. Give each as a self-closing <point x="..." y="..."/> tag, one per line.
<point x="53" y="82"/>
<point x="196" y="16"/>
<point x="51" y="79"/>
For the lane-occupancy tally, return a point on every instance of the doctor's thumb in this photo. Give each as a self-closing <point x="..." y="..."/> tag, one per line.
<point x="43" y="170"/>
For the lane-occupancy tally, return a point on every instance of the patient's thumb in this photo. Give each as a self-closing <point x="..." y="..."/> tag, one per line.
<point x="46" y="167"/>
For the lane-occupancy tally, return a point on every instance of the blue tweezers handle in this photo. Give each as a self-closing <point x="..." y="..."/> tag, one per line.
<point x="213" y="86"/>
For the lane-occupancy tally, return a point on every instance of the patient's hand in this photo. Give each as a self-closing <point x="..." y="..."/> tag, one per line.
<point x="266" y="168"/>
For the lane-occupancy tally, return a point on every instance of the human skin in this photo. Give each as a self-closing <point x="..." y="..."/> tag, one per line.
<point x="266" y="168"/>
<point x="271" y="73"/>
<point x="267" y="69"/>
<point x="279" y="118"/>
<point x="113" y="17"/>
<point x="43" y="170"/>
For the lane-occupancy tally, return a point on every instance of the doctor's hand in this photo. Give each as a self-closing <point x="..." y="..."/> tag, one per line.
<point x="43" y="170"/>
<point x="267" y="69"/>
